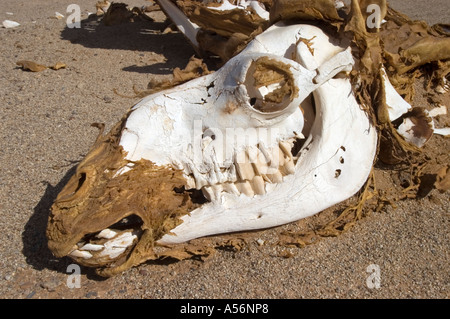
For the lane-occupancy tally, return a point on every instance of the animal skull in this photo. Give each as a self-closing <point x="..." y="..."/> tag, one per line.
<point x="264" y="182"/>
<point x="274" y="136"/>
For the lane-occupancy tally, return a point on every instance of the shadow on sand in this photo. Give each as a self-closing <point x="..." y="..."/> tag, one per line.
<point x="142" y="36"/>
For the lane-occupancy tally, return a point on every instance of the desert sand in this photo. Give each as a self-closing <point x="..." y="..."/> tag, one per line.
<point x="45" y="131"/>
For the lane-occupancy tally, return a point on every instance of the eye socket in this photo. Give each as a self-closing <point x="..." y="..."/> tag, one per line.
<point x="270" y="85"/>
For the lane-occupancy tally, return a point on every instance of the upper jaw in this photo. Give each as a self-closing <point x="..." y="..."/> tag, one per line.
<point x="332" y="165"/>
<point x="209" y="126"/>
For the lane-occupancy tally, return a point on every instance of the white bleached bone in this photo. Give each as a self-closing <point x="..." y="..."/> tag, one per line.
<point x="206" y="124"/>
<point x="115" y="247"/>
<point x="243" y="4"/>
<point x="10" y="24"/>
<point x="437" y="111"/>
<point x="80" y="254"/>
<point x="396" y="105"/>
<point x="106" y="233"/>
<point x="188" y="28"/>
<point x="338" y="132"/>
<point x="442" y="131"/>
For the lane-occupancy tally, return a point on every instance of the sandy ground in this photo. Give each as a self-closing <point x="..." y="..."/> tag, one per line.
<point x="45" y="130"/>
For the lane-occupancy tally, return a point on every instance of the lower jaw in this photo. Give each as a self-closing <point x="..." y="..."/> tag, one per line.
<point x="107" y="248"/>
<point x="87" y="253"/>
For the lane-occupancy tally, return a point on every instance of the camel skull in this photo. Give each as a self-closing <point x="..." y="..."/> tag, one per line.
<point x="273" y="136"/>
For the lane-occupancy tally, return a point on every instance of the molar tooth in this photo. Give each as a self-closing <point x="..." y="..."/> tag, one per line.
<point x="278" y="159"/>
<point x="260" y="164"/>
<point x="190" y="181"/>
<point x="212" y="193"/>
<point x="217" y="189"/>
<point x="232" y="174"/>
<point x="115" y="247"/>
<point x="258" y="185"/>
<point x="231" y="188"/>
<point x="267" y="163"/>
<point x="251" y="154"/>
<point x="208" y="193"/>
<point x="245" y="169"/>
<point x="219" y="171"/>
<point x="213" y="178"/>
<point x="267" y="154"/>
<point x="200" y="180"/>
<point x="245" y="188"/>
<point x="92" y="247"/>
<point x="286" y="147"/>
<point x="79" y="244"/>
<point x="289" y="167"/>
<point x="276" y="177"/>
<point x="81" y="254"/>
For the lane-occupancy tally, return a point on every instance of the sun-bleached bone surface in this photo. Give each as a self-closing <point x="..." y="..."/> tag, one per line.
<point x="198" y="127"/>
<point x="333" y="166"/>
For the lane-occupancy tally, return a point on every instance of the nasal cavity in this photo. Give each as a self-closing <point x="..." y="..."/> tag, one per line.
<point x="72" y="188"/>
<point x="81" y="181"/>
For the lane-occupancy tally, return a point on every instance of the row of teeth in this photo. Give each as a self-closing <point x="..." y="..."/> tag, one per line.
<point x="116" y="244"/>
<point x="248" y="177"/>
